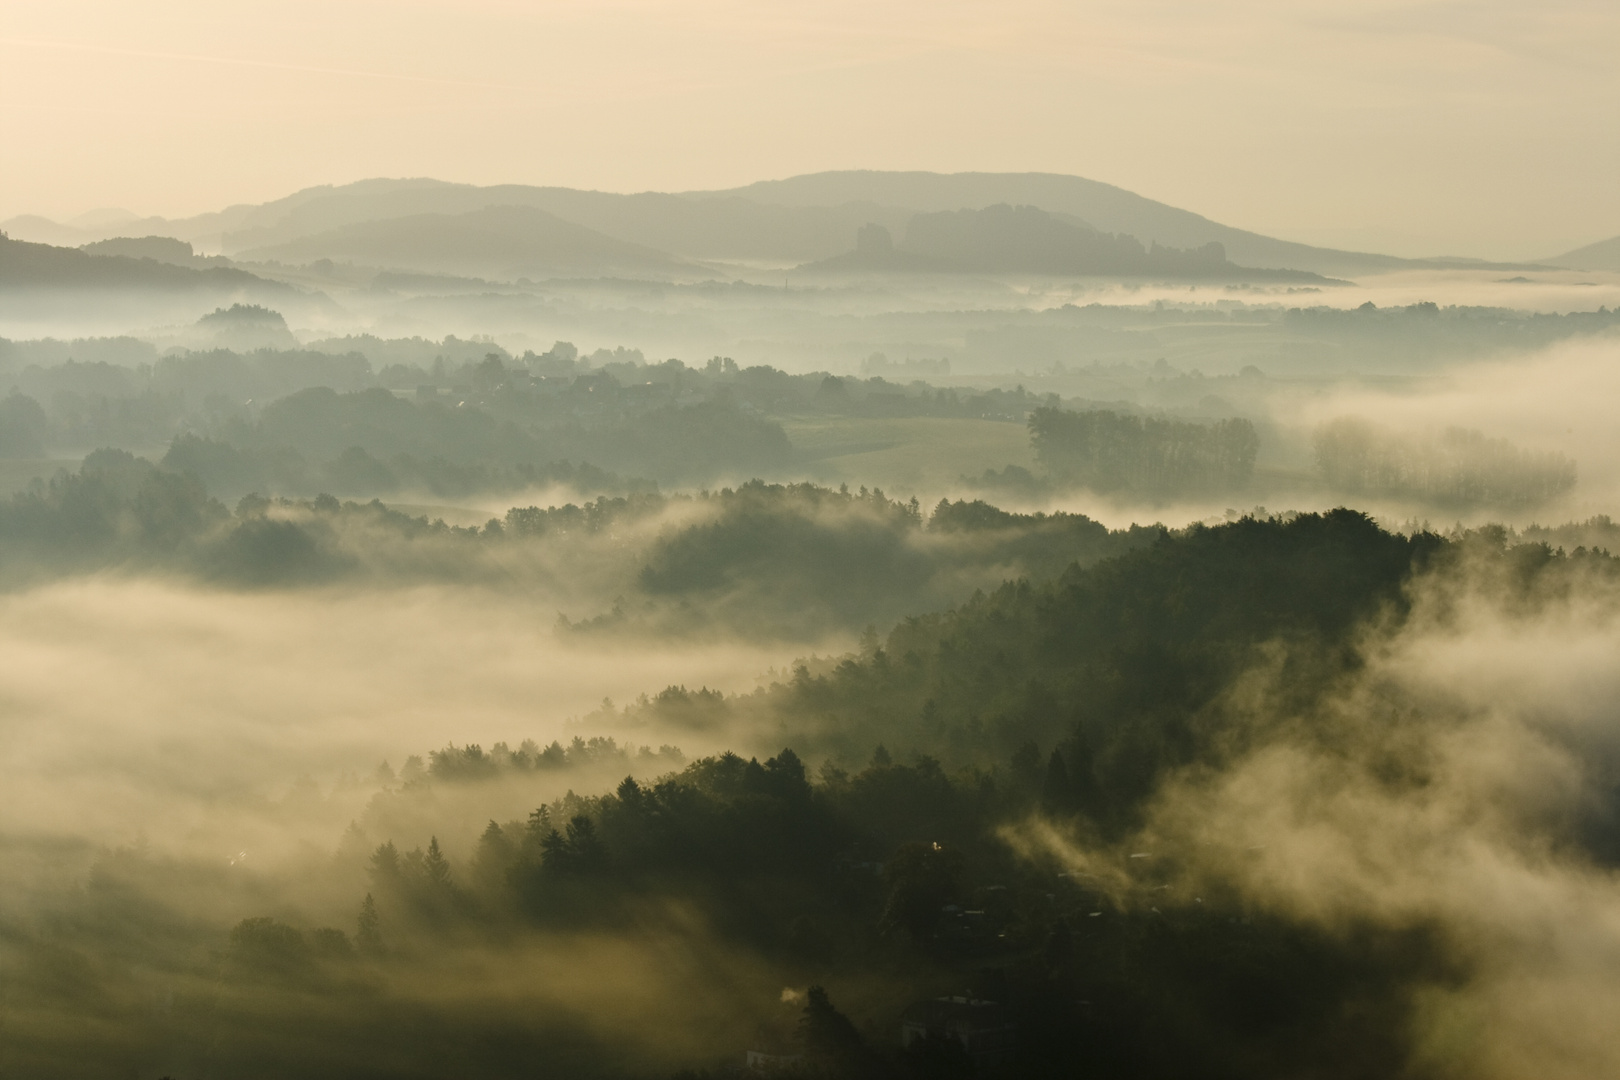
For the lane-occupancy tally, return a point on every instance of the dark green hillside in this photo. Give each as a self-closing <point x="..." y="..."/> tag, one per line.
<point x="1127" y="658"/>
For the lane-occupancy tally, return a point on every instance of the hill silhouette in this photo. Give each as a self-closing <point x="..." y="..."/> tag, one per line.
<point x="41" y="266"/>
<point x="509" y="240"/>
<point x="692" y="228"/>
<point x="1005" y="239"/>
<point x="1107" y="208"/>
<point x="707" y="228"/>
<point x="161" y="249"/>
<point x="1603" y="255"/>
<point x="796" y="220"/>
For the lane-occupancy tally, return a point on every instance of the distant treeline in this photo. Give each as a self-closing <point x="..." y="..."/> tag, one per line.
<point x="1322" y="338"/>
<point x="791" y="561"/>
<point x="1456" y="468"/>
<point x="473" y="763"/>
<point x="1427" y="331"/>
<point x="228" y="469"/>
<point x="26" y="266"/>
<point x="1109" y="452"/>
<point x="280" y="420"/>
<point x="374" y="442"/>
<point x="1029" y="240"/>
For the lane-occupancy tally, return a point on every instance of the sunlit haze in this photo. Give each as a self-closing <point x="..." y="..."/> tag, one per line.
<point x="1471" y="127"/>
<point x="643" y="541"/>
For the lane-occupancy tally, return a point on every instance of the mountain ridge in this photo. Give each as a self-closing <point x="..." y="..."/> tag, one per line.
<point x="1105" y="207"/>
<point x="1004" y="239"/>
<point x="1603" y="255"/>
<point x="513" y="240"/>
<point x="25" y="265"/>
<point x="789" y="221"/>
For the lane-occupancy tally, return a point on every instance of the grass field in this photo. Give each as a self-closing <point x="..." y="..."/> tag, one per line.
<point x="916" y="455"/>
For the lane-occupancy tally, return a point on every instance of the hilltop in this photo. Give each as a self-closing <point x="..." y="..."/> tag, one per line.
<point x="506" y="240"/>
<point x="31" y="266"/>
<point x="1004" y="239"/>
<point x="1603" y="255"/>
<point x="793" y="221"/>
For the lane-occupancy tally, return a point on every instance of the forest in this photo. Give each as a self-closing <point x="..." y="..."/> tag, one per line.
<point x="680" y="561"/>
<point x="1104" y="451"/>
<point x="890" y="850"/>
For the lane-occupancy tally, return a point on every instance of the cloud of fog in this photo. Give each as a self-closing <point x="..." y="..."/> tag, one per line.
<point x="1560" y="399"/>
<point x="190" y="757"/>
<point x="1463" y="781"/>
<point x="1557" y="400"/>
<point x="138" y="710"/>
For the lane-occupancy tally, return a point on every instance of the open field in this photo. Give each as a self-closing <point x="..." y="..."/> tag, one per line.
<point x="917" y="455"/>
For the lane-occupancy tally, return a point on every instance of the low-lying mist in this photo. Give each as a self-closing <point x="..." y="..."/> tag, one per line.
<point x="202" y="723"/>
<point x="1520" y="441"/>
<point x="1456" y="789"/>
<point x="1556" y="400"/>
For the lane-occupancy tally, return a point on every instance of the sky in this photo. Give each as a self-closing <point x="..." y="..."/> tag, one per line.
<point x="1485" y="128"/>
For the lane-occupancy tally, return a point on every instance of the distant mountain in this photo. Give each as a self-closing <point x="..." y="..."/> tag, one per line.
<point x="161" y="249"/>
<point x="785" y="222"/>
<point x="40" y="266"/>
<point x="42" y="230"/>
<point x="1603" y="255"/>
<point x="1005" y="239"/>
<point x="506" y="241"/>
<point x="207" y="230"/>
<point x="708" y="228"/>
<point x="875" y="253"/>
<point x="1106" y="208"/>
<point x="691" y="228"/>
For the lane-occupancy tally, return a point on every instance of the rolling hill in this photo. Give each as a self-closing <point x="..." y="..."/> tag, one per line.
<point x="692" y="228"/>
<point x="1603" y="255"/>
<point x="1104" y="207"/>
<point x="792" y="221"/>
<point x="25" y="265"/>
<point x="1004" y="239"/>
<point x="500" y="240"/>
<point x="707" y="228"/>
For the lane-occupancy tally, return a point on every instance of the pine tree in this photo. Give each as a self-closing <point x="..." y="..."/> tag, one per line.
<point x="492" y="859"/>
<point x="438" y="869"/>
<point x="368" y="929"/>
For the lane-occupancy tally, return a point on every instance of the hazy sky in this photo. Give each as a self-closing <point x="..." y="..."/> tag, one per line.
<point x="1487" y="128"/>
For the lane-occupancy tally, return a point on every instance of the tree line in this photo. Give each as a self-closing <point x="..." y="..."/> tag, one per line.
<point x="1456" y="468"/>
<point x="1110" y="452"/>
